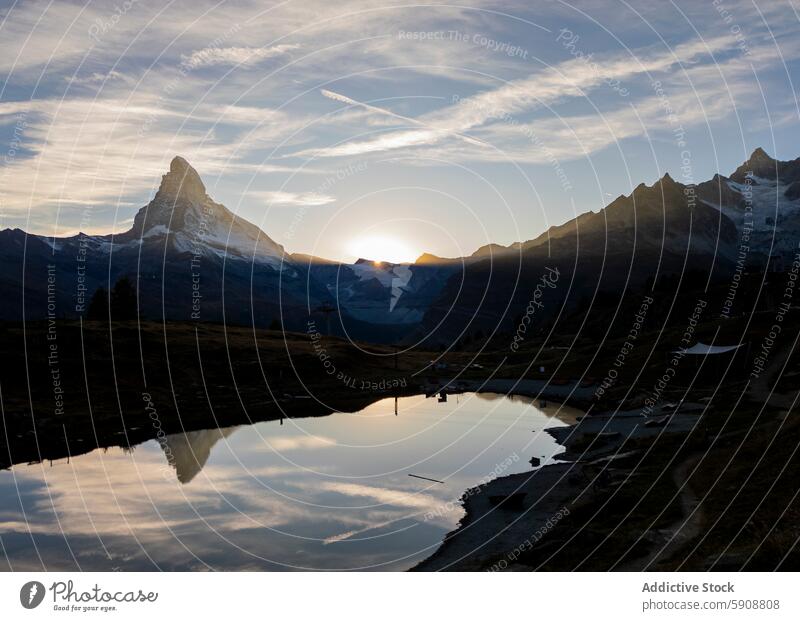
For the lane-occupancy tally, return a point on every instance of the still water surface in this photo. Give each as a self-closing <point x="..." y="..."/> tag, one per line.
<point x="312" y="493"/>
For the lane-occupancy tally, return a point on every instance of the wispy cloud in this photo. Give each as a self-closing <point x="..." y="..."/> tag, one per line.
<point x="568" y="79"/>
<point x="354" y="150"/>
<point x="294" y="443"/>
<point x="211" y="56"/>
<point x="294" y="199"/>
<point x="382" y="495"/>
<point x="96" y="153"/>
<point x="107" y="103"/>
<point x="94" y="78"/>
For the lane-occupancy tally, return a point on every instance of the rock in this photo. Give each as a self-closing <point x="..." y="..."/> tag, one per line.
<point x="182" y="181"/>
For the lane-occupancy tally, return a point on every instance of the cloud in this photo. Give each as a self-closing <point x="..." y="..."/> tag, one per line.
<point x="109" y="152"/>
<point x="294" y="199"/>
<point x="573" y="137"/>
<point x="293" y="443"/>
<point x="383" y="111"/>
<point x="212" y="56"/>
<point x="382" y="495"/>
<point x="568" y="79"/>
<point x="103" y="495"/>
<point x="92" y="153"/>
<point x="94" y="78"/>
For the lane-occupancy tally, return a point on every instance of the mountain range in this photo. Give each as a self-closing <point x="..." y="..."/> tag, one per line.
<point x="192" y="259"/>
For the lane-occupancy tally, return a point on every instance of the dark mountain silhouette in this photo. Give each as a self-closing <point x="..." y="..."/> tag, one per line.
<point x="190" y="258"/>
<point x="657" y="231"/>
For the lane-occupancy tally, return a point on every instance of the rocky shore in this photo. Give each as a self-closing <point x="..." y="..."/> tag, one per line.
<point x="505" y="519"/>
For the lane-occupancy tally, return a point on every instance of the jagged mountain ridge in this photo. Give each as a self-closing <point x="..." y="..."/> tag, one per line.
<point x="659" y="225"/>
<point x="193" y="259"/>
<point x="777" y="186"/>
<point x="666" y="228"/>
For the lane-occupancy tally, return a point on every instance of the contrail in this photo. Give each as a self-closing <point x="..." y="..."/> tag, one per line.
<point x="352" y="102"/>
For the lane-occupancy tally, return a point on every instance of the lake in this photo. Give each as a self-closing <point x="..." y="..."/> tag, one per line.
<point x="327" y="493"/>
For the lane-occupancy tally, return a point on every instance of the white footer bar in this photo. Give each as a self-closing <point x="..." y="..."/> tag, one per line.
<point x="403" y="597"/>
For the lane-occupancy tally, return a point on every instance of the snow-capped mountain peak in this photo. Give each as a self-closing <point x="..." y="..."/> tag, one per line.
<point x="177" y="206"/>
<point x="182" y="181"/>
<point x="194" y="223"/>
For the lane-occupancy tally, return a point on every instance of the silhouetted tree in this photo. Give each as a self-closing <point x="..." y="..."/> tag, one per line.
<point x="123" y="300"/>
<point x="98" y="307"/>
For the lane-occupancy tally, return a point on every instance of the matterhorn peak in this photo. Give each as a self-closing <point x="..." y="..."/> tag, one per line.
<point x="182" y="181"/>
<point x="195" y="223"/>
<point x="180" y="194"/>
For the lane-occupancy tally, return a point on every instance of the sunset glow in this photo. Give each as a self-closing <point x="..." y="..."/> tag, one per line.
<point x="383" y="249"/>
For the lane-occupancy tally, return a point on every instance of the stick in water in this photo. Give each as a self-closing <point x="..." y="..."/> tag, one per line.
<point x="416" y="476"/>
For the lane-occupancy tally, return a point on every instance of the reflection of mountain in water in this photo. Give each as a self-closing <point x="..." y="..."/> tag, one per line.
<point x="188" y="452"/>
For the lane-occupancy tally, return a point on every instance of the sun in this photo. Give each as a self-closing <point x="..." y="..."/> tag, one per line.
<point x="382" y="249"/>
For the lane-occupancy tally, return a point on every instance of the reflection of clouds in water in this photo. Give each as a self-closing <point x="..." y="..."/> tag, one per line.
<point x="293" y="443"/>
<point x="188" y="452"/>
<point x="114" y="495"/>
<point x="394" y="506"/>
<point x="232" y="498"/>
<point x="266" y="441"/>
<point x="109" y="484"/>
<point x="381" y="495"/>
<point x="248" y="528"/>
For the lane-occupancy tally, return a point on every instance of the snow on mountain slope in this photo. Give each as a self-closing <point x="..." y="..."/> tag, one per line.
<point x="760" y="199"/>
<point x="183" y="218"/>
<point x="383" y="293"/>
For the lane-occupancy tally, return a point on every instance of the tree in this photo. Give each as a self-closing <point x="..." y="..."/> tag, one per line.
<point x="123" y="300"/>
<point x="98" y="307"/>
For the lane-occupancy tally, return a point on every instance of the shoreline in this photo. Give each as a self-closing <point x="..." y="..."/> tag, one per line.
<point x="492" y="534"/>
<point x="575" y="394"/>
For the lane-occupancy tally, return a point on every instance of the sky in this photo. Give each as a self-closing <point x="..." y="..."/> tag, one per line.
<point x="347" y="129"/>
